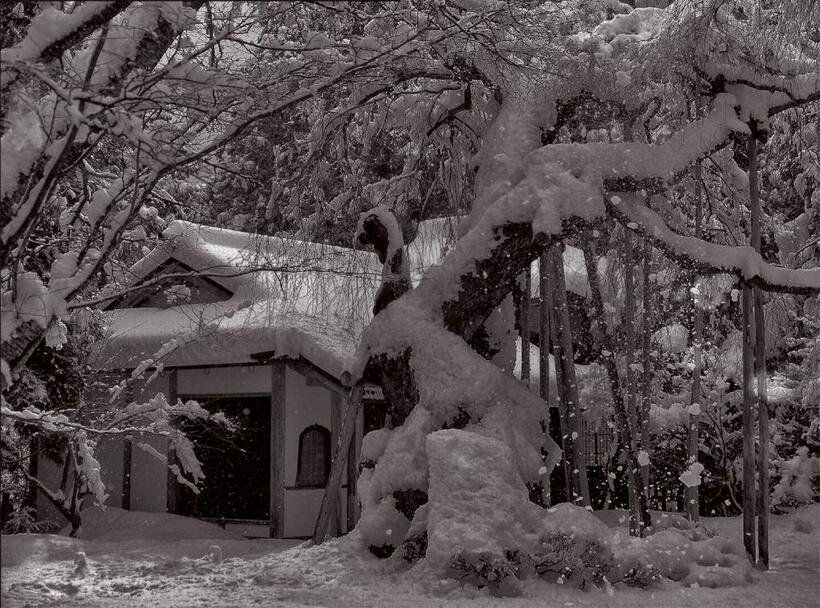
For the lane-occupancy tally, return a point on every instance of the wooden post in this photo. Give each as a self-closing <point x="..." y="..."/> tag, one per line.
<point x="524" y="324"/>
<point x="171" y="485"/>
<point x="544" y="360"/>
<point x="691" y="493"/>
<point x="353" y="472"/>
<point x="631" y="402"/>
<point x="32" y="490"/>
<point x="618" y="402"/>
<point x="278" y="401"/>
<point x="570" y="490"/>
<point x="126" y="473"/>
<point x="748" y="428"/>
<point x="646" y="359"/>
<point x="337" y="466"/>
<point x="760" y="369"/>
<point x="127" y="451"/>
<point x="573" y="427"/>
<point x="335" y="528"/>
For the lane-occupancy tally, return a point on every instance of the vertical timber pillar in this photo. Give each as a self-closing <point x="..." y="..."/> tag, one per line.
<point x="525" y="282"/>
<point x="544" y="306"/>
<point x="574" y="429"/>
<point x="630" y="397"/>
<point x="760" y="368"/>
<point x="335" y="428"/>
<point x="353" y="470"/>
<point x="646" y="360"/>
<point x="127" y="449"/>
<point x="278" y="402"/>
<point x="748" y="428"/>
<point x="692" y="493"/>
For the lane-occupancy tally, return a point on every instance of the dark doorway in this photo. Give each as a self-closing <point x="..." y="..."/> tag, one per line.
<point x="236" y="464"/>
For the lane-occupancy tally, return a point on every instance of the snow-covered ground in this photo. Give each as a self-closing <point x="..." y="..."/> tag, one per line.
<point x="141" y="559"/>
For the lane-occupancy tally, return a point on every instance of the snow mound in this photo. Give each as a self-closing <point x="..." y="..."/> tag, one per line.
<point x="482" y="529"/>
<point x="690" y="557"/>
<point x="477" y="499"/>
<point x="113" y="524"/>
<point x="478" y="508"/>
<point x="374" y="444"/>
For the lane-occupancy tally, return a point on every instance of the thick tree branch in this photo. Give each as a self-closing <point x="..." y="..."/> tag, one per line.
<point x="47" y="41"/>
<point x="710" y="258"/>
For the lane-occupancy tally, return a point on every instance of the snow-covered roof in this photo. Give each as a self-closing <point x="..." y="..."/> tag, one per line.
<point x="293" y="297"/>
<point x="296" y="298"/>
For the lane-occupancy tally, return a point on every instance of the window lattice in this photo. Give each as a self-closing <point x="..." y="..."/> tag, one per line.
<point x="314" y="457"/>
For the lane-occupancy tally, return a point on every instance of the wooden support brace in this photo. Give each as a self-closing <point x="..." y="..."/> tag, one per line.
<point x="337" y="467"/>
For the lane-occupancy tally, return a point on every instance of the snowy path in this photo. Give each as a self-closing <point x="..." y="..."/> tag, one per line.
<point x="40" y="570"/>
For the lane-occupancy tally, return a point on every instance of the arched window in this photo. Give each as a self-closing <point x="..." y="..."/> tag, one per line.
<point x="313" y="467"/>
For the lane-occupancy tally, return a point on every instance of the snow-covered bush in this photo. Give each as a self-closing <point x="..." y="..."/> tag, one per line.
<point x="580" y="562"/>
<point x="24" y="520"/>
<point x="799" y="482"/>
<point x="53" y="410"/>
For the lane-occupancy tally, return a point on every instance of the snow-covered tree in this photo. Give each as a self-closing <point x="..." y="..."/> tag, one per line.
<point x="576" y="113"/>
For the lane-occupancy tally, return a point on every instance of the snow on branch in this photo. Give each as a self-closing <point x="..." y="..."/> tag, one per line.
<point x="604" y="162"/>
<point x="52" y="32"/>
<point x="707" y="257"/>
<point x="764" y="94"/>
<point x="561" y="190"/>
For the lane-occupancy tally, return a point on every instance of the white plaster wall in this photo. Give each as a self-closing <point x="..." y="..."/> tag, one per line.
<point x="301" y="510"/>
<point x="306" y="405"/>
<point x="224" y="380"/>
